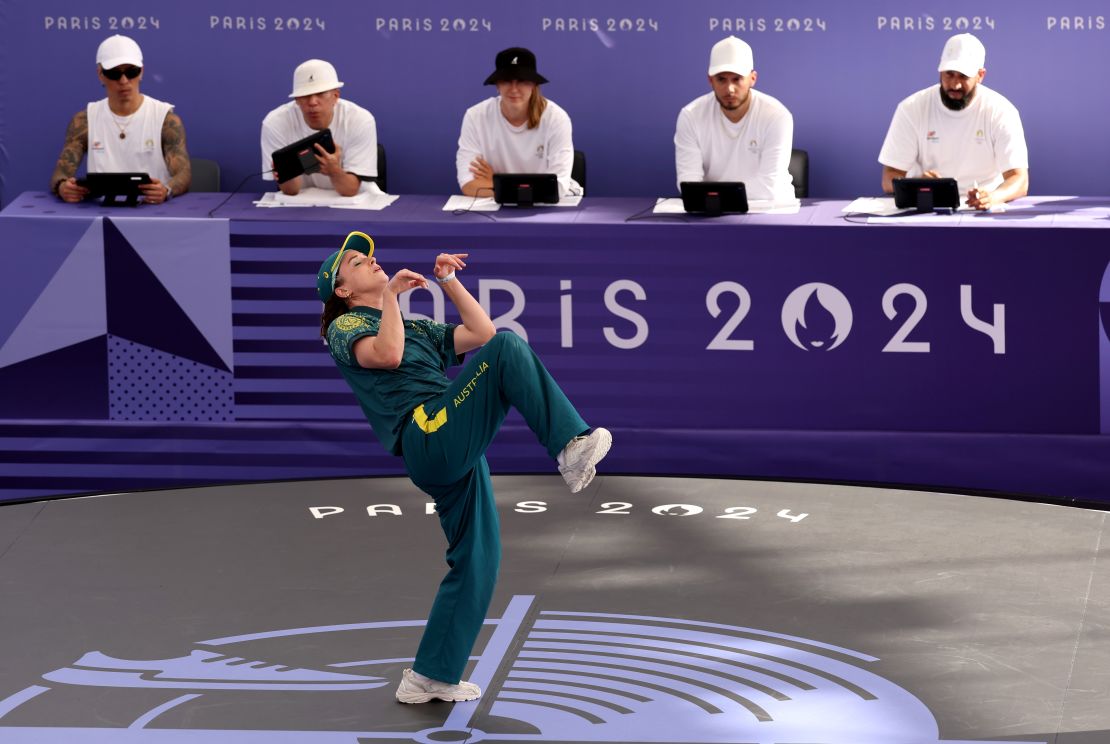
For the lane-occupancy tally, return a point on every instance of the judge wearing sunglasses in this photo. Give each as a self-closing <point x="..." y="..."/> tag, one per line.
<point x="125" y="132"/>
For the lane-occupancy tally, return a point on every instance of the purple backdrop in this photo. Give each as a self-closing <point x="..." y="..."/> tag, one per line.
<point x="621" y="68"/>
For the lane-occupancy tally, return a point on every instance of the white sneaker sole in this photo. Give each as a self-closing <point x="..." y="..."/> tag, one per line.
<point x="427" y="697"/>
<point x="605" y="441"/>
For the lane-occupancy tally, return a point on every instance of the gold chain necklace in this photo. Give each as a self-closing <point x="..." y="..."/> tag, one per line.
<point x="122" y="128"/>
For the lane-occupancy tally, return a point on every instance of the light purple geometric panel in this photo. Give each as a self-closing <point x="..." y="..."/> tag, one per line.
<point x="70" y="309"/>
<point x="146" y="384"/>
<point x="191" y="257"/>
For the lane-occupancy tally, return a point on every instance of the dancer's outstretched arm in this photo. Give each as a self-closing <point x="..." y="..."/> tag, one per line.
<point x="477" y="328"/>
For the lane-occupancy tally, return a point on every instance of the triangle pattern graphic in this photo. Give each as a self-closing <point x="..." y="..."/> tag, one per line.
<point x="142" y="310"/>
<point x="191" y="258"/>
<point x="71" y="308"/>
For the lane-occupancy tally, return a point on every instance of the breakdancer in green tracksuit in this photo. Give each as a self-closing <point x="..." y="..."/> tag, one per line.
<point x="396" y="368"/>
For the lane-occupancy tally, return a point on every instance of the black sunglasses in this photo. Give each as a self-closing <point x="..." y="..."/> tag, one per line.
<point x="117" y="72"/>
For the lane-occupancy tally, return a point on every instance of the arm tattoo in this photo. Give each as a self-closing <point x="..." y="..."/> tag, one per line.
<point x="77" y="144"/>
<point x="177" y="157"/>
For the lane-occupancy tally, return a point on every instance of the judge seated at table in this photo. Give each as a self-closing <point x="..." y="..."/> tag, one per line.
<point x="517" y="131"/>
<point x="317" y="105"/>
<point x="125" y="132"/>
<point x="959" y="129"/>
<point x="735" y="133"/>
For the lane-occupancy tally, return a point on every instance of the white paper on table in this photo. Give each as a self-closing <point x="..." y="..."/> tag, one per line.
<point x="461" y="203"/>
<point x="878" y="206"/>
<point x="369" y="197"/>
<point x="1054" y="212"/>
<point x="270" y="199"/>
<point x="673" y="205"/>
<point x="882" y="208"/>
<point x="369" y="200"/>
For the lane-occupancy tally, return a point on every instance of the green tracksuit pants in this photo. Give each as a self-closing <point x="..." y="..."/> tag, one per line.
<point x="444" y="448"/>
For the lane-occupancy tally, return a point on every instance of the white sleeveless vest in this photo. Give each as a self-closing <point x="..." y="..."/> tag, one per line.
<point x="140" y="151"/>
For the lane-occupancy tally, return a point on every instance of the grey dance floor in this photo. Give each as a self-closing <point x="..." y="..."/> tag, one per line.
<point x="642" y="610"/>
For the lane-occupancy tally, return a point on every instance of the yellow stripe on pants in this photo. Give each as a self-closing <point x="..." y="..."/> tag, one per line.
<point x="429" y="425"/>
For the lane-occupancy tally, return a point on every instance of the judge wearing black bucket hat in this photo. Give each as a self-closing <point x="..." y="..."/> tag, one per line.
<point x="515" y="63"/>
<point x="516" y="131"/>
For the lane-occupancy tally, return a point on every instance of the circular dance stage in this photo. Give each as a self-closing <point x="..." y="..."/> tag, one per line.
<point x="641" y="610"/>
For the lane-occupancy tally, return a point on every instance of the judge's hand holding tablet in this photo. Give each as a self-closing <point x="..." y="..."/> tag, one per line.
<point x="70" y="191"/>
<point x="155" y="192"/>
<point x="331" y="163"/>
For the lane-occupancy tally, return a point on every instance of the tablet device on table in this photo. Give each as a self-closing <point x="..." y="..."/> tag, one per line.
<point x="300" y="157"/>
<point x="525" y="189"/>
<point x="926" y="194"/>
<point x="714" y="197"/>
<point x="118" y="189"/>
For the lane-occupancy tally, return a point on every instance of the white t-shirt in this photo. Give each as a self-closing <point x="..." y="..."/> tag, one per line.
<point x="548" y="148"/>
<point x="974" y="146"/>
<point x="140" y="151"/>
<point x="352" y="128"/>
<point x="755" y="150"/>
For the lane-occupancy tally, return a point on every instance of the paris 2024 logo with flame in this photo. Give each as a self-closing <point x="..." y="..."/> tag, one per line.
<point x="817" y="317"/>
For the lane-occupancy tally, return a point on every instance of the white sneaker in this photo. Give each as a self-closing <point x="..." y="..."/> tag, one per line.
<point x="578" y="460"/>
<point x="414" y="690"/>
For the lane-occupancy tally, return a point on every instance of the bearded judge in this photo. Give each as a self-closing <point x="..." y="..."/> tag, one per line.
<point x="959" y="129"/>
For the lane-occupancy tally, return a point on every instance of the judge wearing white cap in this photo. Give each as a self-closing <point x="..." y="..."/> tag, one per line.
<point x="959" y="129"/>
<point x="734" y="133"/>
<point x="317" y="105"/>
<point x="125" y="132"/>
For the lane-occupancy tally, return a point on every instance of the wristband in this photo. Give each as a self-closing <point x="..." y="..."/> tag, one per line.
<point x="443" y="280"/>
<point x="58" y="186"/>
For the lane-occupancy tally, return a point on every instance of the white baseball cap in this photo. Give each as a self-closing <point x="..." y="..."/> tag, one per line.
<point x="731" y="55"/>
<point x="963" y="53"/>
<point x="118" y="50"/>
<point x="314" y="76"/>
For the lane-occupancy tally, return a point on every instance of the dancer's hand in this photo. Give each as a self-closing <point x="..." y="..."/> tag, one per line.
<point x="448" y="263"/>
<point x="404" y="280"/>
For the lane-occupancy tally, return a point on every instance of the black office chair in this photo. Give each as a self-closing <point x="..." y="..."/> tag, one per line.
<point x="381" y="179"/>
<point x="578" y="169"/>
<point x="799" y="170"/>
<point x="206" y="175"/>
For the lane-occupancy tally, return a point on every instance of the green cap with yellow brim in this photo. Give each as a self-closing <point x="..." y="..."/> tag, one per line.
<point x="325" y="278"/>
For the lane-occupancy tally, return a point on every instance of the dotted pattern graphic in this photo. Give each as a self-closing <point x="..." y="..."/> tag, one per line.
<point x="145" y="384"/>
